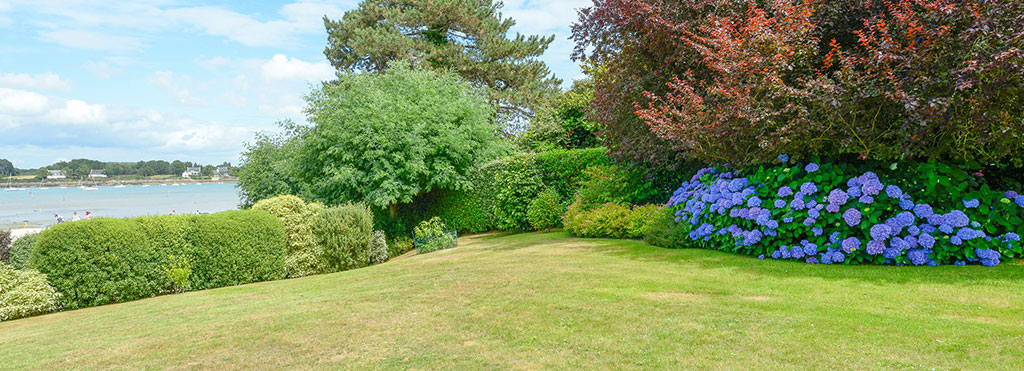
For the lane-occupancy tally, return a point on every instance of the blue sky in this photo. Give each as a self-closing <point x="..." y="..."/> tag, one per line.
<point x="154" y="79"/>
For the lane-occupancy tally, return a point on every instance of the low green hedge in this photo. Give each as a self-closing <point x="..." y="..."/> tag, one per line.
<point x="24" y="293"/>
<point x="21" y="250"/>
<point x="610" y="220"/>
<point x="305" y="256"/>
<point x="102" y="261"/>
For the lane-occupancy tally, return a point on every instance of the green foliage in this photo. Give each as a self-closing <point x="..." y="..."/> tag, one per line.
<point x="518" y="182"/>
<point x="179" y="273"/>
<point x="663" y="231"/>
<point x="546" y="210"/>
<point x="386" y="138"/>
<point x="564" y="169"/>
<point x="5" y="246"/>
<point x="346" y="234"/>
<point x="268" y="168"/>
<point x="433" y="235"/>
<point x="399" y="246"/>
<point x="305" y="256"/>
<point x="24" y="293"/>
<point x="469" y="37"/>
<point x="21" y="250"/>
<point x="102" y="261"/>
<point x="610" y="220"/>
<point x="564" y="125"/>
<point x="379" y="248"/>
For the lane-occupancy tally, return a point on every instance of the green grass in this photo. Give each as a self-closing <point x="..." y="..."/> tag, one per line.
<point x="551" y="301"/>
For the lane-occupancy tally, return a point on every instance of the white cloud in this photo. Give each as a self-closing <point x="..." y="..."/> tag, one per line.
<point x="182" y="95"/>
<point x="79" y="112"/>
<point x="101" y="69"/>
<point x="19" y="102"/>
<point x="235" y="26"/>
<point x="86" y="39"/>
<point x="213" y="63"/>
<point x="44" y="81"/>
<point x="281" y="67"/>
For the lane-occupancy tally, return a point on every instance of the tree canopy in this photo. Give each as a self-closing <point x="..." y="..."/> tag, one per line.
<point x="384" y="138"/>
<point x="464" y="36"/>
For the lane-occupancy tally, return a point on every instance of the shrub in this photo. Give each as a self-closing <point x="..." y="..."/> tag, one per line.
<point x="546" y="210"/>
<point x="517" y="184"/>
<point x="905" y="213"/>
<point x="379" y="248"/>
<point x="609" y="220"/>
<point x="399" y="246"/>
<point x="433" y="235"/>
<point x="178" y="272"/>
<point x="21" y="250"/>
<point x="104" y="261"/>
<point x="5" y="246"/>
<point x="305" y="256"/>
<point x="663" y="231"/>
<point x="346" y="234"/>
<point x="24" y="293"/>
<point x="641" y="219"/>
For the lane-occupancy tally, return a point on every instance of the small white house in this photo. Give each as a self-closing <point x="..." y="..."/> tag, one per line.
<point x="56" y="174"/>
<point x="222" y="172"/>
<point x="191" y="172"/>
<point x="93" y="174"/>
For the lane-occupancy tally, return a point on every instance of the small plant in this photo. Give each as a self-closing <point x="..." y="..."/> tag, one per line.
<point x="24" y="293"/>
<point x="346" y="233"/>
<point x="178" y="272"/>
<point x="379" y="248"/>
<point x="546" y="211"/>
<point x="432" y="235"/>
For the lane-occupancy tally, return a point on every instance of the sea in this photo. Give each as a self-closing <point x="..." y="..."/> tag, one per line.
<point x="35" y="207"/>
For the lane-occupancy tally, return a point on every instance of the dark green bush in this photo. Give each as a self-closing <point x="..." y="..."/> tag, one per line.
<point x="517" y="184"/>
<point x="24" y="293"/>
<point x="5" y="246"/>
<point x="399" y="246"/>
<point x="103" y="261"/>
<point x="346" y="234"/>
<point x="433" y="235"/>
<point x="546" y="210"/>
<point x="21" y="250"/>
<point x="563" y="170"/>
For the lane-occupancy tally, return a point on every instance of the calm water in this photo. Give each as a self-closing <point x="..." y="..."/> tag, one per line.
<point x="37" y="206"/>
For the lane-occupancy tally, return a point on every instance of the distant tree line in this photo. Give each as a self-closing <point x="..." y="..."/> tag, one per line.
<point x="78" y="168"/>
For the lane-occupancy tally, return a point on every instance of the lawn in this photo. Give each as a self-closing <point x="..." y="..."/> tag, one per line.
<point x="529" y="301"/>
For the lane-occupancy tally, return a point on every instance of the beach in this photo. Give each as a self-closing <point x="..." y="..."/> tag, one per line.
<point x="17" y="233"/>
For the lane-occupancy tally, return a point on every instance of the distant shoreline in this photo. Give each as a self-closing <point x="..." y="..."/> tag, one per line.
<point x="114" y="182"/>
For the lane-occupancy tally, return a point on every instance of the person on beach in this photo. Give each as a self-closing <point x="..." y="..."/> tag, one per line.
<point x="58" y="218"/>
<point x="75" y="217"/>
<point x="174" y="212"/>
<point x="88" y="215"/>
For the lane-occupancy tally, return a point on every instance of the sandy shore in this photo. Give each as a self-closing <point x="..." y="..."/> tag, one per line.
<point x="19" y="232"/>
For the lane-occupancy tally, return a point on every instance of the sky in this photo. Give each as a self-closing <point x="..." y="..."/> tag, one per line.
<point x="179" y="80"/>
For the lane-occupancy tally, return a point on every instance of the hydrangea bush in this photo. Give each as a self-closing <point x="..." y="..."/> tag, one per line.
<point x="840" y="213"/>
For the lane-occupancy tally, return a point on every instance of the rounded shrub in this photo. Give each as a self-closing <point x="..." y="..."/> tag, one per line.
<point x="433" y="235"/>
<point x="24" y="293"/>
<point x="346" y="234"/>
<point x="379" y="248"/>
<point x="610" y="220"/>
<point x="102" y="261"/>
<point x="21" y="250"/>
<point x="546" y="210"/>
<point x="305" y="255"/>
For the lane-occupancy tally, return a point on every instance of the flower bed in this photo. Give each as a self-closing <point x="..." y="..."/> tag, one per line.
<point x="826" y="214"/>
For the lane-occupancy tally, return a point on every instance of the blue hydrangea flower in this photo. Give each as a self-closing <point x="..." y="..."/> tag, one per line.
<point x="838" y="257"/>
<point x="875" y="247"/>
<point x="946" y="228"/>
<point x="852" y="217"/>
<point x="772" y="224"/>
<point x="787" y="220"/>
<point x="736" y="185"/>
<point x="753" y="237"/>
<point x="1011" y="194"/>
<point x="911" y="242"/>
<point x="913" y="230"/>
<point x="776" y="254"/>
<point x="812" y="260"/>
<point x="988" y="257"/>
<point x="811" y="204"/>
<point x="892" y="253"/>
<point x="880" y="232"/>
<point x="957" y="219"/>
<point x="832" y="208"/>
<point x="808" y="188"/>
<point x="838" y="197"/>
<point x="905" y="219"/>
<point x="927" y="229"/>
<point x="834" y="237"/>
<point x="971" y="204"/>
<point x="871" y="187"/>
<point x="760" y="257"/>
<point x="810" y="249"/>
<point x="894" y="192"/>
<point x="796" y="253"/>
<point x="865" y="199"/>
<point x="853" y="192"/>
<point x="809" y="221"/>
<point x="956" y="241"/>
<point x="967" y="234"/>
<point x="814" y="213"/>
<point x="779" y="204"/>
<point x="923" y="210"/>
<point x="817" y="231"/>
<point x="926" y="241"/>
<point x="906" y="204"/>
<point x="811" y="167"/>
<point x="850" y="244"/>
<point x="754" y="202"/>
<point x="1019" y="200"/>
<point x="784" y="158"/>
<point x="1012" y="236"/>
<point x="797" y="204"/>
<point x="960" y="262"/>
<point x="784" y="191"/>
<point x="918" y="256"/>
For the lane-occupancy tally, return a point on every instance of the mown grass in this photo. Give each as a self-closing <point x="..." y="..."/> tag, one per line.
<point x="529" y="301"/>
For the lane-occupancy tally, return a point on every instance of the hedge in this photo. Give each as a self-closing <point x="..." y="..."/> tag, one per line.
<point x="345" y="232"/>
<point x="24" y="293"/>
<point x="305" y="256"/>
<point x="21" y="250"/>
<point x="102" y="261"/>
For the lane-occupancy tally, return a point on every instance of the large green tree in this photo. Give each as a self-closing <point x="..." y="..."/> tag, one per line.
<point x="268" y="165"/>
<point x="384" y="138"/>
<point x="464" y="36"/>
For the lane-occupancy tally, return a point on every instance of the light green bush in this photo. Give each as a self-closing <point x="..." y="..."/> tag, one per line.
<point x="546" y="210"/>
<point x="24" y="293"/>
<point x="433" y="235"/>
<point x="379" y="248"/>
<point x="346" y="234"/>
<point x="664" y="231"/>
<point x="610" y="220"/>
<point x="305" y="256"/>
<point x="399" y="246"/>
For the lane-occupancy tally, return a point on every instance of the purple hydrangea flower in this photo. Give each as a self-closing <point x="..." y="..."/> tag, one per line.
<point x="927" y="229"/>
<point x="923" y="210"/>
<point x="852" y="217"/>
<point x="853" y="192"/>
<point x="913" y="230"/>
<point x="753" y="237"/>
<point x="811" y="167"/>
<point x="797" y="204"/>
<point x="957" y="219"/>
<point x="838" y="257"/>
<point x="906" y="204"/>
<point x="826" y="258"/>
<point x="871" y="187"/>
<point x="808" y="188"/>
<point x="784" y="158"/>
<point x="832" y="208"/>
<point x="754" y="202"/>
<point x="905" y="219"/>
<point x="926" y="241"/>
<point x="811" y="204"/>
<point x="809" y="221"/>
<point x="875" y="247"/>
<point x="838" y="197"/>
<point x="814" y="213"/>
<point x="865" y="199"/>
<point x="810" y="249"/>
<point x="812" y="260"/>
<point x="784" y="191"/>
<point x="796" y="252"/>
<point x="850" y="244"/>
<point x="880" y="232"/>
<point x="1011" y="194"/>
<point x="918" y="256"/>
<point x="817" y="231"/>
<point x="971" y="204"/>
<point x="892" y="253"/>
<point x="779" y="204"/>
<point x="894" y="192"/>
<point x="736" y="185"/>
<point x="911" y="242"/>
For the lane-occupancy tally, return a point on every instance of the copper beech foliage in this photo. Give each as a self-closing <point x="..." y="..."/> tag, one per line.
<point x="744" y="81"/>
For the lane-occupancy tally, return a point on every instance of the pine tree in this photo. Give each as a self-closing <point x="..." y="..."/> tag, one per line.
<point x="467" y="37"/>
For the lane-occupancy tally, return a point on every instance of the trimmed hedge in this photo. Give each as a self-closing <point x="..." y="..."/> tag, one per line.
<point x="21" y="250"/>
<point x="24" y="293"/>
<point x="102" y="261"/>
<point x="546" y="210"/>
<point x="305" y="256"/>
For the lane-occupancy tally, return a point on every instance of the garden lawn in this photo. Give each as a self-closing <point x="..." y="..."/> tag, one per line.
<point x="528" y="301"/>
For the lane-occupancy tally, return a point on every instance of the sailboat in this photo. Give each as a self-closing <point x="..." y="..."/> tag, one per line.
<point x="9" y="189"/>
<point x="119" y="184"/>
<point x="42" y="186"/>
